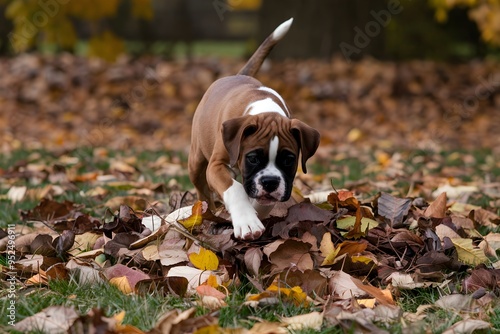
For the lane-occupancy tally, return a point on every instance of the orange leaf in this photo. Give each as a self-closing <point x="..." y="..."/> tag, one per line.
<point x="343" y="195"/>
<point x="206" y="290"/>
<point x="384" y="297"/>
<point x="212" y="281"/>
<point x="351" y="247"/>
<point x="196" y="217"/>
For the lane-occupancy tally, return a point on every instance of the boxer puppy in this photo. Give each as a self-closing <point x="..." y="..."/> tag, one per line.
<point x="242" y="128"/>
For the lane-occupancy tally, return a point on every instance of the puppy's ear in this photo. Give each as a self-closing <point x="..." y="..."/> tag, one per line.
<point x="233" y="132"/>
<point x="308" y="139"/>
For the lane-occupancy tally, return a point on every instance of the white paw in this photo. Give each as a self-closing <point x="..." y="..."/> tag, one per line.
<point x="245" y="221"/>
<point x="247" y="227"/>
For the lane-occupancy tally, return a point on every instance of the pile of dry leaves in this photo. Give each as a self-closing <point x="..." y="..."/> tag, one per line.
<point x="345" y="255"/>
<point x="348" y="258"/>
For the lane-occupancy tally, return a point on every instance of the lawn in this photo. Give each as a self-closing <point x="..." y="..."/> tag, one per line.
<point x="395" y="228"/>
<point x="121" y="187"/>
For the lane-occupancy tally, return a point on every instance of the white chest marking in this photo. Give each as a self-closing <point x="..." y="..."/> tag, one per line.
<point x="265" y="105"/>
<point x="275" y="93"/>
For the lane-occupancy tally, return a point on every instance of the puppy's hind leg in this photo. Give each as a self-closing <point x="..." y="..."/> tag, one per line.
<point x="197" y="166"/>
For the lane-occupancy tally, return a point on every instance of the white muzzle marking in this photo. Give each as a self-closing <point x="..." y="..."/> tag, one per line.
<point x="264" y="197"/>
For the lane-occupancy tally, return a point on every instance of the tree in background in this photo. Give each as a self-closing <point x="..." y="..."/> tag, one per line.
<point x="54" y="22"/>
<point x="320" y="26"/>
<point x="485" y="13"/>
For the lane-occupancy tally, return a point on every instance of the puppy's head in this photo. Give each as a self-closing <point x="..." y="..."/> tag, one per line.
<point x="265" y="148"/>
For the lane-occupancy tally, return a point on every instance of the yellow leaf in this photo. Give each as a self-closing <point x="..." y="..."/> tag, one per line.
<point x="467" y="253"/>
<point x="298" y="296"/>
<point x="295" y="294"/>
<point x="361" y="258"/>
<point x="204" y="260"/>
<point x="119" y="317"/>
<point x="106" y="46"/>
<point x="122" y="284"/>
<point x="84" y="242"/>
<point x="196" y="217"/>
<point x="328" y="249"/>
<point x="348" y="222"/>
<point x="212" y="329"/>
<point x="369" y="303"/>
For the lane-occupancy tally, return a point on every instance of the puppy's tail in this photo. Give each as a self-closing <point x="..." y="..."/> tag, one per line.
<point x="254" y="63"/>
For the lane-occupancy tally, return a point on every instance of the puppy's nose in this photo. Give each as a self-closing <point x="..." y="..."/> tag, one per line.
<point x="270" y="183"/>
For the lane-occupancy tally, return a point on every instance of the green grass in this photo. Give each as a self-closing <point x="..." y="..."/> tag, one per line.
<point x="143" y="311"/>
<point x="140" y="311"/>
<point x="208" y="48"/>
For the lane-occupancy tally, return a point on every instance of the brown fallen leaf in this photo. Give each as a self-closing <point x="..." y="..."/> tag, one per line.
<point x="183" y="322"/>
<point x="482" y="278"/>
<point x="356" y="231"/>
<point x="342" y="286"/>
<point x="291" y="254"/>
<point x="312" y="282"/>
<point x="42" y="245"/>
<point x="53" y="319"/>
<point x="50" y="210"/>
<point x="95" y="321"/>
<point x="437" y="209"/>
<point x="253" y="260"/>
<point x="393" y="209"/>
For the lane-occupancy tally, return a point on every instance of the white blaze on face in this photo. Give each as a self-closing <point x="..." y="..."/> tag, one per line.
<point x="270" y="171"/>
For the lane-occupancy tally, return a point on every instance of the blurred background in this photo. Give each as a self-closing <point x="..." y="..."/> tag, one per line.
<point x="433" y="29"/>
<point x="129" y="73"/>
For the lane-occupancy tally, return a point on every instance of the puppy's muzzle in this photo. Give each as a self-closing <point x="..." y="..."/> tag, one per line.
<point x="270" y="183"/>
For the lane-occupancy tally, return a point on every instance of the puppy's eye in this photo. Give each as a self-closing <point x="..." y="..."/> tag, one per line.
<point x="253" y="159"/>
<point x="289" y="160"/>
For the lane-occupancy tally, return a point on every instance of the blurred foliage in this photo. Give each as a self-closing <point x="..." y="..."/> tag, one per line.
<point x="485" y="13"/>
<point x="457" y="39"/>
<point x="53" y="22"/>
<point x="437" y="29"/>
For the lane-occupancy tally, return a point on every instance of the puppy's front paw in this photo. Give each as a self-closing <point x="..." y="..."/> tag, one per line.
<point x="247" y="227"/>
